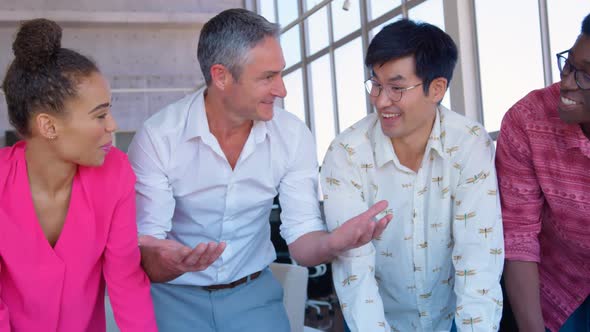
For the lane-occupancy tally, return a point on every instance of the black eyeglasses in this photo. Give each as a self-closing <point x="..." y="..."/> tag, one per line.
<point x="393" y="92"/>
<point x="565" y="68"/>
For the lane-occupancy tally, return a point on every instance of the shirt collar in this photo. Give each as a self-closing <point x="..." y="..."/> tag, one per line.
<point x="198" y="126"/>
<point x="383" y="148"/>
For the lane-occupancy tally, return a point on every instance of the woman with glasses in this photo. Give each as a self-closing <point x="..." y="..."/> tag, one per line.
<point x="67" y="199"/>
<point x="543" y="163"/>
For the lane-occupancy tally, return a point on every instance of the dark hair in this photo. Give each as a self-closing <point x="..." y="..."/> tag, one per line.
<point x="434" y="51"/>
<point x="586" y="25"/>
<point x="43" y="74"/>
<point x="226" y="39"/>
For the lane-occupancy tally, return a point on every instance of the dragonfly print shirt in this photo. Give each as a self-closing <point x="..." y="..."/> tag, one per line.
<point x="441" y="256"/>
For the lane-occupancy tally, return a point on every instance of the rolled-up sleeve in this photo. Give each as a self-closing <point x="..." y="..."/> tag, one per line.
<point x="298" y="191"/>
<point x="520" y="193"/>
<point x="155" y="200"/>
<point x="353" y="271"/>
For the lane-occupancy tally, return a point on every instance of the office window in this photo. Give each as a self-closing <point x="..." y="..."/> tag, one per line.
<point x="564" y="26"/>
<point x="510" y="56"/>
<point x="352" y="104"/>
<point x="294" y="102"/>
<point x="323" y="106"/>
<point x="317" y="31"/>
<point x="288" y="11"/>
<point x="379" y="7"/>
<point x="345" y="21"/>
<point x="291" y="46"/>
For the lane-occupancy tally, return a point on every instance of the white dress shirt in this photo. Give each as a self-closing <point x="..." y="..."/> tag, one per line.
<point x="188" y="192"/>
<point x="441" y="256"/>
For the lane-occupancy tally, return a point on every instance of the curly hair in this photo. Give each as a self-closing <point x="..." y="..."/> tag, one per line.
<point x="43" y="74"/>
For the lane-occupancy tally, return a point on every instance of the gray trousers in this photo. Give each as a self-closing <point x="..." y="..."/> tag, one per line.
<point x="255" y="306"/>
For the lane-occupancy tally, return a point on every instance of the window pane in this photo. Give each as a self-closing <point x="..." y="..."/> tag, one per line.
<point x="317" y="31"/>
<point x="288" y="11"/>
<point x="430" y="11"/>
<point x="309" y="4"/>
<point x="510" y="55"/>
<point x="323" y="107"/>
<point x="349" y="83"/>
<point x="294" y="101"/>
<point x="345" y="21"/>
<point x="291" y="46"/>
<point x="267" y="9"/>
<point x="564" y="26"/>
<point x="380" y="7"/>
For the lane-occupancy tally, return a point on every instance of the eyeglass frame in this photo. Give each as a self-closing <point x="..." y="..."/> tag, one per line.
<point x="400" y="90"/>
<point x="573" y="69"/>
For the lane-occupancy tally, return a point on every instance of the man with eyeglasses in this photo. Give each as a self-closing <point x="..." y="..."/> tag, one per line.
<point x="543" y="163"/>
<point x="437" y="266"/>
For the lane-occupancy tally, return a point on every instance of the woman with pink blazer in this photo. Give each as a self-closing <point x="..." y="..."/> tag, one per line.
<point x="67" y="199"/>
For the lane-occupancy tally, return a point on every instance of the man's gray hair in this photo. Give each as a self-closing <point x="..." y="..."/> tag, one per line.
<point x="227" y="38"/>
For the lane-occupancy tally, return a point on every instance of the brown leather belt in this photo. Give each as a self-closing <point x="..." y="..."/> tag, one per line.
<point x="234" y="283"/>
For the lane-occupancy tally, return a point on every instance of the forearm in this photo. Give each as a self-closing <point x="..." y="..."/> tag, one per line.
<point x="522" y="286"/>
<point x="312" y="249"/>
<point x="151" y="261"/>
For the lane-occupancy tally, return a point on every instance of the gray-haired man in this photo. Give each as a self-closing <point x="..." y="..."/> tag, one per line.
<point x="208" y="168"/>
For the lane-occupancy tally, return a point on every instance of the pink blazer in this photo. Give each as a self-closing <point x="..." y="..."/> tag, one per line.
<point x="62" y="288"/>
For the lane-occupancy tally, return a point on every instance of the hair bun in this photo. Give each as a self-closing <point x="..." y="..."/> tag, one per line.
<point x="36" y="43"/>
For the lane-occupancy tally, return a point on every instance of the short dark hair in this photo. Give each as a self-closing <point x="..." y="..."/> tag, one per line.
<point x="586" y="25"/>
<point x="226" y="38"/>
<point x="43" y="74"/>
<point x="434" y="50"/>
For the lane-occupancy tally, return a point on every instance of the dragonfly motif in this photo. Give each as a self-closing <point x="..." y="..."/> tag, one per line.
<point x="472" y="321"/>
<point x="381" y="324"/>
<point x="499" y="303"/>
<point x="369" y="301"/>
<point x="417" y="268"/>
<point x="408" y="237"/>
<point x="437" y="180"/>
<point x="366" y="167"/>
<point x="458" y="202"/>
<point x="496" y="252"/>
<point x="332" y="181"/>
<point x="325" y="197"/>
<point x="348" y="280"/>
<point x="466" y="273"/>
<point x="443" y="134"/>
<point x="447" y="281"/>
<point x="363" y="196"/>
<point x="387" y="253"/>
<point x="423" y="245"/>
<point x="411" y="288"/>
<point x="492" y="192"/>
<point x="476" y="178"/>
<point x="474" y="130"/>
<point x="425" y="296"/>
<point x="423" y="314"/>
<point x="458" y="166"/>
<point x="436" y="269"/>
<point x="424" y="190"/>
<point x="347" y="148"/>
<point x="406" y="185"/>
<point x="459" y="308"/>
<point x="444" y="192"/>
<point x="483" y="291"/>
<point x="356" y="185"/>
<point x="436" y="226"/>
<point x="343" y="306"/>
<point x="465" y="217"/>
<point x="450" y="151"/>
<point x="375" y="189"/>
<point x="486" y="231"/>
<point x="371" y="268"/>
